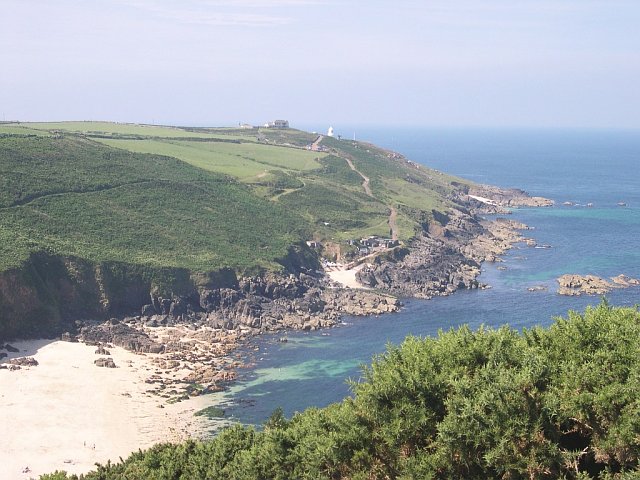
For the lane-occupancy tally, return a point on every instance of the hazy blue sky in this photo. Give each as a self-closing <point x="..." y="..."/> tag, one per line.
<point x="217" y="62"/>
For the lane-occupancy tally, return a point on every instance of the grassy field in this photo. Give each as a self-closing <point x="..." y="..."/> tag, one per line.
<point x="17" y="129"/>
<point x="93" y="222"/>
<point x="130" y="129"/>
<point x="241" y="160"/>
<point x="74" y="197"/>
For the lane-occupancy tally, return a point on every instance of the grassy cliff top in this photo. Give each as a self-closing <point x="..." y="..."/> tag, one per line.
<point x="198" y="198"/>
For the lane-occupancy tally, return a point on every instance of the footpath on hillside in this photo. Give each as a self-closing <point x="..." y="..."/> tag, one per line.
<point x="346" y="274"/>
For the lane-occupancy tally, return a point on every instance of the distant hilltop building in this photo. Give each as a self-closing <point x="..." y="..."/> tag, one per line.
<point x="330" y="132"/>
<point x="277" y="124"/>
<point x="245" y="125"/>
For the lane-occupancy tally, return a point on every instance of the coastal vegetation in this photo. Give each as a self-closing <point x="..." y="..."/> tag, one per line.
<point x="261" y="157"/>
<point x="73" y="197"/>
<point x="559" y="402"/>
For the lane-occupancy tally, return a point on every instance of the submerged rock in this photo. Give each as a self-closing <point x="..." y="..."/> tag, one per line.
<point x="538" y="288"/>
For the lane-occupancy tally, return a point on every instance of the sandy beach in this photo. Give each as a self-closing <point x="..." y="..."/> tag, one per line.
<point x="346" y="277"/>
<point x="66" y="413"/>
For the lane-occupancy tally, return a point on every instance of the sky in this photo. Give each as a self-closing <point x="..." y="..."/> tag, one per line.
<point x="452" y="63"/>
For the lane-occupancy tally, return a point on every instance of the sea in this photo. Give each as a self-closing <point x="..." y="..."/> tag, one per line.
<point x="596" y="167"/>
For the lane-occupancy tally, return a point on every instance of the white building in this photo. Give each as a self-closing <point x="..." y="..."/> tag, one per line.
<point x="277" y="124"/>
<point x="330" y="132"/>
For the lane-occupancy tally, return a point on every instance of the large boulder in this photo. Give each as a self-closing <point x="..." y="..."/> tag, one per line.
<point x="119" y="334"/>
<point x="105" y="362"/>
<point x="24" y="361"/>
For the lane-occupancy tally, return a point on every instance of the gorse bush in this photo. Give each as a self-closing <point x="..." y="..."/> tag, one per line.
<point x="561" y="402"/>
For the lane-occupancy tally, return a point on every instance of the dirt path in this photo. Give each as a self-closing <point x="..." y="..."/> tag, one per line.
<point x="393" y="215"/>
<point x="365" y="179"/>
<point x="31" y="199"/>
<point x="315" y="145"/>
<point x="287" y="191"/>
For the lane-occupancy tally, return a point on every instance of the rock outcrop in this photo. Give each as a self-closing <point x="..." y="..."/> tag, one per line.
<point x="105" y="362"/>
<point x="120" y="334"/>
<point x="624" y="281"/>
<point x="258" y="304"/>
<point x="23" y="361"/>
<point x="445" y="257"/>
<point x="488" y="195"/>
<point x="574" y="285"/>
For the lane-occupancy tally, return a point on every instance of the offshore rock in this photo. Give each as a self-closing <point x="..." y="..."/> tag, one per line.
<point x="574" y="285"/>
<point x="625" y="281"/>
<point x="506" y="198"/>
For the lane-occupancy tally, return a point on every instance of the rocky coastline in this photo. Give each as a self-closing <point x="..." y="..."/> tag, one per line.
<point x="193" y="338"/>
<point x="192" y="342"/>
<point x="448" y="254"/>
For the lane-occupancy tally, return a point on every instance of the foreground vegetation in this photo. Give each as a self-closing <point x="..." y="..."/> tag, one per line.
<point x="560" y="402"/>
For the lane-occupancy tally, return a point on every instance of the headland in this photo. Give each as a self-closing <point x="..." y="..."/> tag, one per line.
<point x="163" y="275"/>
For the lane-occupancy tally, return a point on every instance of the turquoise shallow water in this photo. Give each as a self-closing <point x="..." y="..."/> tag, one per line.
<point x="601" y="167"/>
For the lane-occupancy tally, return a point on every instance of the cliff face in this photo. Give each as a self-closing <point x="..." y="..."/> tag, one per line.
<point x="48" y="293"/>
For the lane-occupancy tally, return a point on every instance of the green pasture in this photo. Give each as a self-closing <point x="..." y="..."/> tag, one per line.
<point x="168" y="201"/>
<point x="20" y="129"/>
<point x="109" y="128"/>
<point x="241" y="160"/>
<point x="413" y="195"/>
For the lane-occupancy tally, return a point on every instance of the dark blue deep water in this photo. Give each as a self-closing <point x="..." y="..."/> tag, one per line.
<point x="599" y="167"/>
